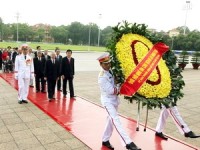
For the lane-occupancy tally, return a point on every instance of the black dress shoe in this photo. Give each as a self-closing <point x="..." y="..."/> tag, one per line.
<point x="24" y="101"/>
<point x="20" y="102"/>
<point x="161" y="135"/>
<point x="43" y="91"/>
<point x="132" y="146"/>
<point x="191" y="135"/>
<point x="108" y="145"/>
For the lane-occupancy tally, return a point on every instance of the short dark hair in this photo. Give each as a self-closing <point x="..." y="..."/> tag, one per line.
<point x="69" y="50"/>
<point x="38" y="47"/>
<point x="57" y="48"/>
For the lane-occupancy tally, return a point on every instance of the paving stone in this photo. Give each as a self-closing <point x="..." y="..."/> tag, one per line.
<point x="9" y="115"/>
<point x="64" y="135"/>
<point x="48" y="138"/>
<point x="3" y="130"/>
<point x="17" y="127"/>
<point x="24" y="134"/>
<point x="9" y="121"/>
<point x="74" y="143"/>
<point x="35" y="124"/>
<point x="57" y="146"/>
<point x="28" y="143"/>
<point x="37" y="148"/>
<point x="56" y="127"/>
<point x="5" y="138"/>
<point x="8" y="146"/>
<point x="27" y="116"/>
<point x="20" y="109"/>
<point x="41" y="131"/>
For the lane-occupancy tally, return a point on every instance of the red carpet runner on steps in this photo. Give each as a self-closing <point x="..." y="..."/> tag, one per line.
<point x="86" y="121"/>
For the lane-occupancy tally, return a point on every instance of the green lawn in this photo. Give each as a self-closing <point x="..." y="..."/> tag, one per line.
<point x="51" y="46"/>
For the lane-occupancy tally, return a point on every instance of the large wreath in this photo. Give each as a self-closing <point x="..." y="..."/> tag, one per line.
<point x="127" y="47"/>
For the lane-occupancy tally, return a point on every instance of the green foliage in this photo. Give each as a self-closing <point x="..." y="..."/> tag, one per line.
<point x="195" y="58"/>
<point x="169" y="57"/>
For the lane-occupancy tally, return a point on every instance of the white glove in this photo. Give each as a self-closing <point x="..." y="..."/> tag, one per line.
<point x="118" y="87"/>
<point x="16" y="77"/>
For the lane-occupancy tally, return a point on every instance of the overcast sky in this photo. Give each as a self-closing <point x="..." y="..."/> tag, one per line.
<point x="157" y="14"/>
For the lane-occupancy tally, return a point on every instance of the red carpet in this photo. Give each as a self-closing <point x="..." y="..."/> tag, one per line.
<point x="86" y="121"/>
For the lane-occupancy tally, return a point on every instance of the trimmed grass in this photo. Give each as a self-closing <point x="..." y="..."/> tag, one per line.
<point x="52" y="46"/>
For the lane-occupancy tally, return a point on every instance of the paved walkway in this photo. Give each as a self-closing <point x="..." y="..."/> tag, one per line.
<point x="27" y="127"/>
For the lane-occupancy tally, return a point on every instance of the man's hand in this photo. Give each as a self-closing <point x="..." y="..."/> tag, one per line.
<point x="63" y="77"/>
<point x="45" y="78"/>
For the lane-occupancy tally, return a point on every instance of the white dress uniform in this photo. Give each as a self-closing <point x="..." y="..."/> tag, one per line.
<point x="24" y="70"/>
<point x="173" y="111"/>
<point x="110" y="101"/>
<point x="32" y="55"/>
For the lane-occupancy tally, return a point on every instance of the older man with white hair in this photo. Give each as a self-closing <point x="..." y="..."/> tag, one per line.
<point x="24" y="70"/>
<point x="51" y="74"/>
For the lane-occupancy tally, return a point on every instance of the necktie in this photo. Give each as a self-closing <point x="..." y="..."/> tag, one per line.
<point x="25" y="57"/>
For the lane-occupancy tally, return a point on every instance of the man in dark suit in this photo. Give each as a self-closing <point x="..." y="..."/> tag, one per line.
<point x="59" y="59"/>
<point x="14" y="54"/>
<point x="38" y="49"/>
<point x="39" y="65"/>
<point x="51" y="74"/>
<point x="67" y="72"/>
<point x="0" y="58"/>
<point x="46" y="56"/>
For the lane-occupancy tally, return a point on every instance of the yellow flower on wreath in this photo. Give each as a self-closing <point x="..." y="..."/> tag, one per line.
<point x="158" y="84"/>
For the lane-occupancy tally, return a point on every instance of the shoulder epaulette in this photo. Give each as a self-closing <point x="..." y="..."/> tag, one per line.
<point x="101" y="73"/>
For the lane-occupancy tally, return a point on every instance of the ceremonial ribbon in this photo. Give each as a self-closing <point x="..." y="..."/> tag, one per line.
<point x="143" y="70"/>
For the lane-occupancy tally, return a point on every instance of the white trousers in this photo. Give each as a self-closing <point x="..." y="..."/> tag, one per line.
<point x="113" y="120"/>
<point x="173" y="112"/>
<point x="23" y="88"/>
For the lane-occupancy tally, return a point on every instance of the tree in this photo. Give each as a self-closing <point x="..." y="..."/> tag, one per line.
<point x="59" y="34"/>
<point x="1" y="29"/>
<point x="106" y="35"/>
<point x="75" y="30"/>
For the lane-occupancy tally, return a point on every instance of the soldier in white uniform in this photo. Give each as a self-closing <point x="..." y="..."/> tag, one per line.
<point x="181" y="125"/>
<point x="110" y="101"/>
<point x="24" y="70"/>
<point x="32" y="55"/>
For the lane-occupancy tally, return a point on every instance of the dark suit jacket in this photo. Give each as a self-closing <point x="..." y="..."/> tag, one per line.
<point x="59" y="60"/>
<point x="48" y="57"/>
<point x="36" y="54"/>
<point x="67" y="68"/>
<point x="39" y="66"/>
<point x="14" y="56"/>
<point x="51" y="71"/>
